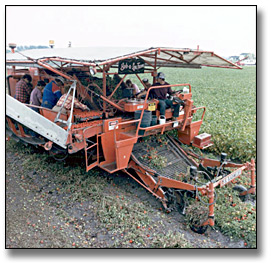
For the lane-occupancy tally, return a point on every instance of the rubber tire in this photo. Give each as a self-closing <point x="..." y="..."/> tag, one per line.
<point x="240" y="189"/>
<point x="200" y="229"/>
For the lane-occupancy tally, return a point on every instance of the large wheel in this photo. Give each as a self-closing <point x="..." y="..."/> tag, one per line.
<point x="58" y="153"/>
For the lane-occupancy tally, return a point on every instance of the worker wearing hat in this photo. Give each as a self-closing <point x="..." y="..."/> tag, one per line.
<point x="52" y="92"/>
<point x="161" y="95"/>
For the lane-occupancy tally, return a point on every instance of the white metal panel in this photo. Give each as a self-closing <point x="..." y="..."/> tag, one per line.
<point x="33" y="120"/>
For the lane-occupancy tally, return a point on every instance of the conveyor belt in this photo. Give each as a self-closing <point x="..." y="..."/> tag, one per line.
<point x="177" y="162"/>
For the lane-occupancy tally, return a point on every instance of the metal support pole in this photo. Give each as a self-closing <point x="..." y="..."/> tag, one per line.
<point x="104" y="87"/>
<point x="155" y="68"/>
<point x="211" y="202"/>
<point x="253" y="174"/>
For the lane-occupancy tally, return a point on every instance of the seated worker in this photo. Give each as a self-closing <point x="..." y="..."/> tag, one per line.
<point x="52" y="92"/>
<point x="136" y="89"/>
<point x="146" y="87"/>
<point x="161" y="95"/>
<point x="23" y="89"/>
<point x="68" y="103"/>
<point x="36" y="95"/>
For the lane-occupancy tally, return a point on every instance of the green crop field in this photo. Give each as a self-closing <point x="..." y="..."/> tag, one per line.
<point x="230" y="99"/>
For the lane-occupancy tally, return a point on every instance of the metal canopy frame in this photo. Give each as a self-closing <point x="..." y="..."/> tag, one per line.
<point x="155" y="58"/>
<point x="183" y="57"/>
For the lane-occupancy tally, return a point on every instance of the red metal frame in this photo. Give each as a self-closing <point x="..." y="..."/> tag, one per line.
<point x="117" y="143"/>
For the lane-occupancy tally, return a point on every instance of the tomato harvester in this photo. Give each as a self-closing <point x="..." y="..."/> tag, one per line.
<point x="109" y="135"/>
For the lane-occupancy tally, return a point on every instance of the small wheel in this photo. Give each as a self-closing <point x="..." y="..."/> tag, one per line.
<point x="169" y="194"/>
<point x="240" y="189"/>
<point x="183" y="199"/>
<point x="180" y="205"/>
<point x="199" y="229"/>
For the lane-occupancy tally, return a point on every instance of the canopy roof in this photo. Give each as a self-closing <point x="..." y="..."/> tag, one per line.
<point x="99" y="56"/>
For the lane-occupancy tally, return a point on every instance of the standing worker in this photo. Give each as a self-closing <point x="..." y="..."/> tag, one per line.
<point x="36" y="95"/>
<point x="52" y="92"/>
<point x="23" y="89"/>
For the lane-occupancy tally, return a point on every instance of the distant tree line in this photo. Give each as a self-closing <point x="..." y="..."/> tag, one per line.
<point x="21" y="48"/>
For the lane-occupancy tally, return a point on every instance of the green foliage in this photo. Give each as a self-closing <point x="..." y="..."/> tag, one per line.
<point x="230" y="100"/>
<point x="196" y="214"/>
<point x="235" y="218"/>
<point x="118" y="214"/>
<point x="171" y="240"/>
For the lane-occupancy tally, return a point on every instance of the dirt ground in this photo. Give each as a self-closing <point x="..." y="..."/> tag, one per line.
<point x="40" y="215"/>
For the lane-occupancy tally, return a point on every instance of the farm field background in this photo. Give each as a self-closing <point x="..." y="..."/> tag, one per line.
<point x="230" y="99"/>
<point x="117" y="217"/>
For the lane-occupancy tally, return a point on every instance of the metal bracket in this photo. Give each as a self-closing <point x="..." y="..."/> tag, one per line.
<point x="69" y="120"/>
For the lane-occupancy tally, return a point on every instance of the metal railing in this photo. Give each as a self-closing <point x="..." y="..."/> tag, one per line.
<point x="69" y="120"/>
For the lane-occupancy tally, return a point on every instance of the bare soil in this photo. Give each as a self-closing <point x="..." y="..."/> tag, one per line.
<point x="42" y="213"/>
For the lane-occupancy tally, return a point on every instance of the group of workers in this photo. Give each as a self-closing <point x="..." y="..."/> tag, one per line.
<point x="49" y="95"/>
<point x="53" y="94"/>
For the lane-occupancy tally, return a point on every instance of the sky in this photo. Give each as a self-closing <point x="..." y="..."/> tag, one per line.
<point x="226" y="30"/>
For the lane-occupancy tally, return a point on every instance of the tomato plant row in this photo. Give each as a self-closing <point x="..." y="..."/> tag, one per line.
<point x="230" y="100"/>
